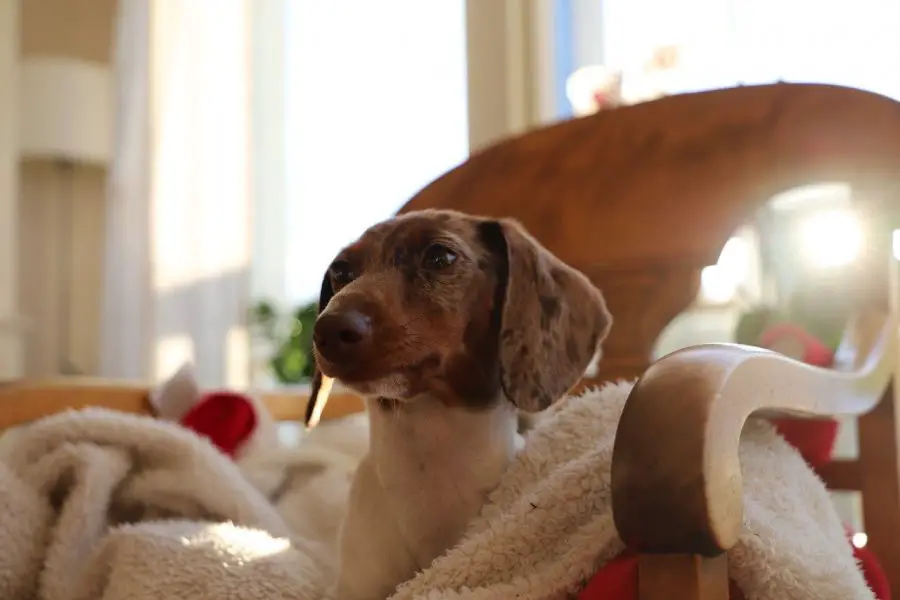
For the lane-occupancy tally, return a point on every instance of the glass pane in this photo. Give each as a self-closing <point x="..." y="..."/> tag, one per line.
<point x="809" y="41"/>
<point x="787" y="266"/>
<point x="727" y="42"/>
<point x="369" y="121"/>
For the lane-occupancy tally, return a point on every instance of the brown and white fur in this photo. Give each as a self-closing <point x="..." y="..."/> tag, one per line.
<point x="449" y="325"/>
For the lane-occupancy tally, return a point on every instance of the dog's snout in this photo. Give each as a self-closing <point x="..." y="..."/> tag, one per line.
<point x="341" y="336"/>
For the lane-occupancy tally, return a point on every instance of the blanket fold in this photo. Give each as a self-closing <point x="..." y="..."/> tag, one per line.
<point x="101" y="505"/>
<point x="548" y="527"/>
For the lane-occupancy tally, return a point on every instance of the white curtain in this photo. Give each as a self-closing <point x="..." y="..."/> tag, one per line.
<point x="178" y="231"/>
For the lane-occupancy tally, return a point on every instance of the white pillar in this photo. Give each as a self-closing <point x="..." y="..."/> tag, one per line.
<point x="10" y="342"/>
<point x="502" y="74"/>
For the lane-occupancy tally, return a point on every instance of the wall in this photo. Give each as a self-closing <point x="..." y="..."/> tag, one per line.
<point x="80" y="29"/>
<point x="9" y="346"/>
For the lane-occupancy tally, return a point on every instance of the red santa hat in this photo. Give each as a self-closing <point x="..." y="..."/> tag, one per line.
<point x="237" y="424"/>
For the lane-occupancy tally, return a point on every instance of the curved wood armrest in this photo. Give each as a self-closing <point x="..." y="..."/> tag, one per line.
<point x="676" y="476"/>
<point x="25" y="401"/>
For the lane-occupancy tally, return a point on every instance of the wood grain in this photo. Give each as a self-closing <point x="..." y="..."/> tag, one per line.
<point x="668" y="181"/>
<point x="678" y="435"/>
<point x="30" y="400"/>
<point x="682" y="576"/>
<point x="652" y="191"/>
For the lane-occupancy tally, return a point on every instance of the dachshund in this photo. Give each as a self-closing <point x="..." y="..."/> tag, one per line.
<point x="450" y="326"/>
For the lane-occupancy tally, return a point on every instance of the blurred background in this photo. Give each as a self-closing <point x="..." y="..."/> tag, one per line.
<point x="176" y="175"/>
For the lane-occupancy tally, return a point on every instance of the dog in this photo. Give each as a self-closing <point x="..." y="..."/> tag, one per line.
<point x="449" y="325"/>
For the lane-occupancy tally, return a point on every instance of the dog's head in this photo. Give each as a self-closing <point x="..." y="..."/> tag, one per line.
<point x="458" y="307"/>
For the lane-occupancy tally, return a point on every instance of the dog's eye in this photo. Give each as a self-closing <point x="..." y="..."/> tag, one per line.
<point x="341" y="273"/>
<point x="438" y="257"/>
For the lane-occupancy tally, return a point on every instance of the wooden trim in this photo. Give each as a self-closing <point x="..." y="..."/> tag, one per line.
<point x="879" y="456"/>
<point x="841" y="475"/>
<point x="28" y="401"/>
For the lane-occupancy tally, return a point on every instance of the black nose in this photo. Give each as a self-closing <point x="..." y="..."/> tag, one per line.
<point x="341" y="336"/>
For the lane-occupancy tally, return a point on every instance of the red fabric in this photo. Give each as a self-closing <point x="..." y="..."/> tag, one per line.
<point x="873" y="572"/>
<point x="227" y="419"/>
<point x="814" y="352"/>
<point x="814" y="439"/>
<point x="618" y="580"/>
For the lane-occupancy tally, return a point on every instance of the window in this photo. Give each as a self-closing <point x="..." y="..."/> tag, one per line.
<point x="802" y="40"/>
<point x="727" y="42"/>
<point x="374" y="107"/>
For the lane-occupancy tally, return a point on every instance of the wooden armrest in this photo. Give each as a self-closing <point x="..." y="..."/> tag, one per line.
<point x="25" y="401"/>
<point x="676" y="476"/>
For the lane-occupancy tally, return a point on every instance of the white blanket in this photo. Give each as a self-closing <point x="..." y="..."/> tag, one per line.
<point x="83" y="494"/>
<point x="549" y="525"/>
<point x="102" y="505"/>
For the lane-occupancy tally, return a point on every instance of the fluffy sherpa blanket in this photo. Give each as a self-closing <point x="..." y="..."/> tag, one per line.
<point x="98" y="505"/>
<point x="84" y="494"/>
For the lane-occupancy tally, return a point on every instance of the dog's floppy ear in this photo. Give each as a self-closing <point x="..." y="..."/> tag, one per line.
<point x="321" y="384"/>
<point x="552" y="322"/>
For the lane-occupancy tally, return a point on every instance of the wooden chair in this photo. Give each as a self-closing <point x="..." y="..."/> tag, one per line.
<point x="640" y="199"/>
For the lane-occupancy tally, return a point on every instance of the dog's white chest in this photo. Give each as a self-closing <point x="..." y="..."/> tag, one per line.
<point x="427" y="476"/>
<point x="436" y="466"/>
<point x="433" y="501"/>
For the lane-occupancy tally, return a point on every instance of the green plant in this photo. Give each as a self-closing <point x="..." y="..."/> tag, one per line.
<point x="820" y="313"/>
<point x="754" y="322"/>
<point x="291" y="337"/>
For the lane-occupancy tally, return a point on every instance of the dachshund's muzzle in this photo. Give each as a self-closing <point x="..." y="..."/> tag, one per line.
<point x="343" y="338"/>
